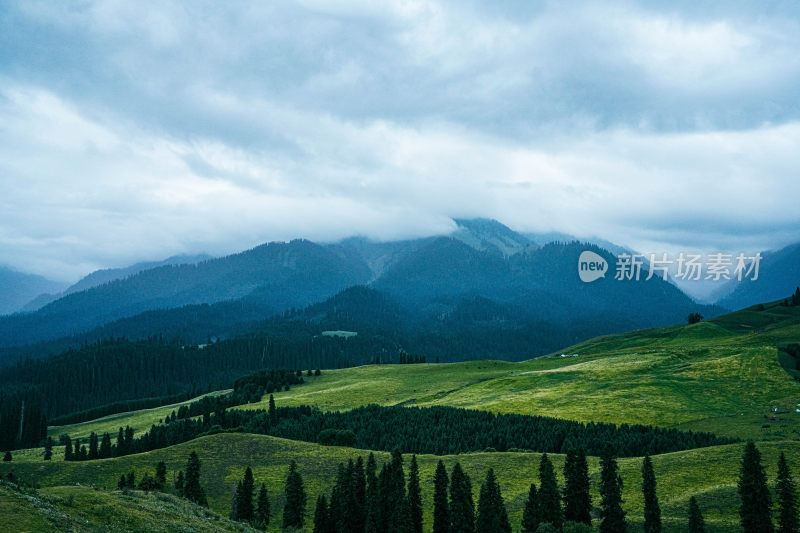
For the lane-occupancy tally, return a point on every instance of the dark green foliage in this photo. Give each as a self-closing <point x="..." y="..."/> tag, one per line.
<point x="546" y="527"/>
<point x="756" y="501"/>
<point x="180" y="484"/>
<point x="234" y="512"/>
<point x="462" y="507"/>
<point x="20" y="410"/>
<point x="612" y="517"/>
<point x="652" y="511"/>
<point x="272" y="407"/>
<point x="262" y="514"/>
<point x="148" y="483"/>
<point x="787" y="498"/>
<point x="121" y="407"/>
<point x="530" y="514"/>
<point x="294" y="510"/>
<point x="68" y="455"/>
<point x="122" y="483"/>
<point x="322" y="518"/>
<point x="492" y="516"/>
<point x="796" y="296"/>
<point x="7" y="457"/>
<point x="339" y="508"/>
<point x="437" y="430"/>
<point x="549" y="496"/>
<point x="245" y="496"/>
<point x="93" y="446"/>
<point x="337" y="437"/>
<point x="694" y="318"/>
<point x="192" y="490"/>
<point x="372" y="497"/>
<point x="48" y="449"/>
<point x="357" y="495"/>
<point x="414" y="496"/>
<point x="130" y="480"/>
<point x="441" y="508"/>
<point x="696" y="522"/>
<point x="105" y="446"/>
<point x="161" y="474"/>
<point x="577" y="496"/>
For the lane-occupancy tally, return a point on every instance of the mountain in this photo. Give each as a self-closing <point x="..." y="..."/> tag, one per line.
<point x="491" y="236"/>
<point x="779" y="275"/>
<point x="293" y="274"/>
<point x="99" y="277"/>
<point x="17" y="289"/>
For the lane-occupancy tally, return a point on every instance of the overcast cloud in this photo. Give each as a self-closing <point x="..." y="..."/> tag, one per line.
<point x="136" y="130"/>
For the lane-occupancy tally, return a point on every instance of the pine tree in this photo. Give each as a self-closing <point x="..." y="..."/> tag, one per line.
<point x="549" y="496"/>
<point x="441" y="510"/>
<point x="530" y="516"/>
<point x="787" y="498"/>
<point x="754" y="494"/>
<point x="696" y="522"/>
<point x="652" y="511"/>
<point x="122" y="483"/>
<point x="130" y="481"/>
<point x="192" y="490"/>
<point x="577" y="497"/>
<point x="373" y="497"/>
<point x="93" y="444"/>
<point x="272" y="410"/>
<point x="161" y="474"/>
<point x="357" y="500"/>
<point x="122" y="449"/>
<point x="68" y="456"/>
<point x="48" y="449"/>
<point x="414" y="496"/>
<point x="245" y="499"/>
<point x="234" y="513"/>
<point x="180" y="484"/>
<point x="7" y="457"/>
<point x="262" y="515"/>
<point x="105" y="446"/>
<point x="294" y="510"/>
<point x="611" y="513"/>
<point x="339" y="509"/>
<point x="321" y="516"/>
<point x="492" y="515"/>
<point x="462" y="507"/>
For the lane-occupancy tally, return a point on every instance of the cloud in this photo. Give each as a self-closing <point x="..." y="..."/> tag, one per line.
<point x="131" y="133"/>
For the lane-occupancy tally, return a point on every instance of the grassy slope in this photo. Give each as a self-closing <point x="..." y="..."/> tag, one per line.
<point x="721" y="375"/>
<point x="708" y="473"/>
<point x="83" y="509"/>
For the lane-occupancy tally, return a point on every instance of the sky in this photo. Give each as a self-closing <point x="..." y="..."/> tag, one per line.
<point x="134" y="131"/>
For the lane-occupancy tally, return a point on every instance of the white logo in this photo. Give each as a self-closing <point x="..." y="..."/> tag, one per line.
<point x="591" y="266"/>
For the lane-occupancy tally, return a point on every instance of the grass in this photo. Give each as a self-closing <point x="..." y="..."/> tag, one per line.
<point x="709" y="473"/>
<point x="85" y="509"/>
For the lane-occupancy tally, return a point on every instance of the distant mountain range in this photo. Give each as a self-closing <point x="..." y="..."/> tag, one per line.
<point x="17" y="289"/>
<point x="484" y="281"/>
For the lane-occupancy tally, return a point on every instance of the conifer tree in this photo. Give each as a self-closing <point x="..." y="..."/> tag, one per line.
<point x="414" y="496"/>
<point x="373" y="497"/>
<point x="754" y="493"/>
<point x="441" y="508"/>
<point x="272" y="410"/>
<point x="787" y="498"/>
<point x="180" y="484"/>
<point x="130" y="481"/>
<point x="696" y="522"/>
<point x="549" y="496"/>
<point x="192" y="490"/>
<point x="234" y="513"/>
<point x="530" y="514"/>
<point x="7" y="456"/>
<point x="161" y="474"/>
<point x="68" y="449"/>
<point x="48" y="449"/>
<point x="577" y="497"/>
<point x="294" y="510"/>
<point x="652" y="511"/>
<point x="611" y="513"/>
<point x="357" y="498"/>
<point x="245" y="499"/>
<point x="262" y="514"/>
<point x="93" y="445"/>
<point x="122" y="483"/>
<point x="462" y="507"/>
<point x="492" y="516"/>
<point x="105" y="446"/>
<point x="321" y="516"/>
<point x="339" y="509"/>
